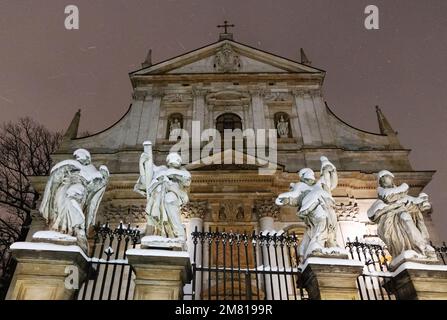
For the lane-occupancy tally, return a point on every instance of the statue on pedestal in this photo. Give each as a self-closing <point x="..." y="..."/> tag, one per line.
<point x="400" y="218"/>
<point x="72" y="196"/>
<point x="165" y="188"/>
<point x="283" y="128"/>
<point x="175" y="130"/>
<point x="316" y="207"/>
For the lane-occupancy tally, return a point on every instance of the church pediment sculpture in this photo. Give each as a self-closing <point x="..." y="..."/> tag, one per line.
<point x="226" y="60"/>
<point x="400" y="221"/>
<point x="71" y="199"/>
<point x="316" y="207"/>
<point x="165" y="189"/>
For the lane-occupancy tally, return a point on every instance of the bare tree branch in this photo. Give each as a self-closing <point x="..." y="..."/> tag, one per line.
<point x="25" y="149"/>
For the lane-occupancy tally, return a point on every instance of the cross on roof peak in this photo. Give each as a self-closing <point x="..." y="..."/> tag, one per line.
<point x="226" y="34"/>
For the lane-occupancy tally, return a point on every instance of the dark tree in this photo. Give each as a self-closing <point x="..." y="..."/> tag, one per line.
<point x="25" y="149"/>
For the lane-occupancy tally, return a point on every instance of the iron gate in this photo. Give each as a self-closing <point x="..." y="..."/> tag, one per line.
<point x="245" y="266"/>
<point x="109" y="275"/>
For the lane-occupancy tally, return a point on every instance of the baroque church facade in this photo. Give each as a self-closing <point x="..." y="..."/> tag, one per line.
<point x="230" y="85"/>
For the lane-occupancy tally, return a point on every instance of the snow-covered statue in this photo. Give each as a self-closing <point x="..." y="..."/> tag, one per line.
<point x="165" y="188"/>
<point x="399" y="218"/>
<point x="72" y="196"/>
<point x="175" y="130"/>
<point x="283" y="128"/>
<point x="316" y="207"/>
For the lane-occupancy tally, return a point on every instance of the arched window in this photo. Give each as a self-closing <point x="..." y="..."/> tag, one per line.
<point x="282" y="125"/>
<point x="229" y="121"/>
<point x="175" y="126"/>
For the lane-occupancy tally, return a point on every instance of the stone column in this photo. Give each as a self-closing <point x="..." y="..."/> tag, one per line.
<point x="417" y="281"/>
<point x="160" y="274"/>
<point x="47" y="271"/>
<point x="195" y="212"/>
<point x="331" y="279"/>
<point x="267" y="212"/>
<point x="257" y="104"/>
<point x="199" y="106"/>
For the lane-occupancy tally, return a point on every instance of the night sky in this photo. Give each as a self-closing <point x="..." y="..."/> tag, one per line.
<point x="47" y="72"/>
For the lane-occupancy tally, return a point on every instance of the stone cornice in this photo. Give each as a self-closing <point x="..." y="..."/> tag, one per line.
<point x="300" y="78"/>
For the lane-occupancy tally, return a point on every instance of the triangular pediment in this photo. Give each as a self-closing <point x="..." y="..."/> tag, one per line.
<point x="227" y="56"/>
<point x="231" y="159"/>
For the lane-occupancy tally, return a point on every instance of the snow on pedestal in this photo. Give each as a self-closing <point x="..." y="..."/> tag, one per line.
<point x="160" y="274"/>
<point x="153" y="242"/>
<point x="54" y="237"/>
<point x="328" y="278"/>
<point x="42" y="270"/>
<point x="411" y="256"/>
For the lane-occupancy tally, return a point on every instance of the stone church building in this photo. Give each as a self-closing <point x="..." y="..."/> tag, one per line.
<point x="230" y="85"/>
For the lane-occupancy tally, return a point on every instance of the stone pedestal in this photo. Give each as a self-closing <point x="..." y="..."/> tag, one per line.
<point x="331" y="279"/>
<point x="47" y="271"/>
<point x="417" y="281"/>
<point x="160" y="274"/>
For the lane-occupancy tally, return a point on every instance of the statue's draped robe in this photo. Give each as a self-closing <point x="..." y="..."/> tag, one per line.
<point x="167" y="193"/>
<point x="72" y="197"/>
<point x="400" y="221"/>
<point x="316" y="208"/>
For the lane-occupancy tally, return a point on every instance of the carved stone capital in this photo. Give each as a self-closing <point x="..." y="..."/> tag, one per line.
<point x="157" y="92"/>
<point x="114" y="213"/>
<point x="139" y="95"/>
<point x="257" y="91"/>
<point x="297" y="93"/>
<point x="198" y="92"/>
<point x="316" y="92"/>
<point x="347" y="212"/>
<point x="195" y="209"/>
<point x="267" y="208"/>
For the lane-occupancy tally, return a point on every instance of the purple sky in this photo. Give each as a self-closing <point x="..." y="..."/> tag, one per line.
<point x="47" y="72"/>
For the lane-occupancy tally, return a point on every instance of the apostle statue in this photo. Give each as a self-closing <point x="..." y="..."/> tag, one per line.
<point x="400" y="218"/>
<point x="283" y="128"/>
<point x="316" y="207"/>
<point x="165" y="188"/>
<point x="175" y="130"/>
<point x="72" y="196"/>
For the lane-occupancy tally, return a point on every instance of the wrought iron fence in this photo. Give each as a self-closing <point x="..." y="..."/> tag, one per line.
<point x="109" y="275"/>
<point x="441" y="252"/>
<point x="375" y="272"/>
<point x="245" y="266"/>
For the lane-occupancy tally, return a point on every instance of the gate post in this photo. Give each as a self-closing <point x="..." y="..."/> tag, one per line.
<point x="47" y="271"/>
<point x="160" y="274"/>
<point x="331" y="279"/>
<point x="418" y="281"/>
